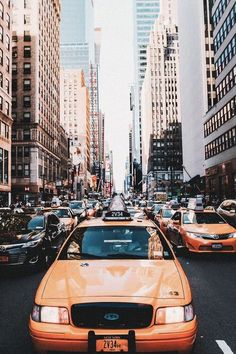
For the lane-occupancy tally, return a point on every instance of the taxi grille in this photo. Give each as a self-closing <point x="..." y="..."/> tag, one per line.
<point x="112" y="315"/>
<point x="220" y="237"/>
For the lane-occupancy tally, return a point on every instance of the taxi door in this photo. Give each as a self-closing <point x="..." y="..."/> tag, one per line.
<point x="173" y="228"/>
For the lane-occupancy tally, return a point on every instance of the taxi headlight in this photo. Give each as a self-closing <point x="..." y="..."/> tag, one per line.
<point x="193" y="234"/>
<point x="232" y="235"/>
<point x="178" y="314"/>
<point x="49" y="314"/>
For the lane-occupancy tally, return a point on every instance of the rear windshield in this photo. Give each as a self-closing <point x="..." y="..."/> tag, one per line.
<point x="202" y="218"/>
<point x="121" y="242"/>
<point x="76" y="205"/>
<point x="167" y="213"/>
<point x="62" y="213"/>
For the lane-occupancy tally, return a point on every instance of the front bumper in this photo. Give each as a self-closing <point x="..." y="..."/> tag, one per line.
<point x="171" y="337"/>
<point x="200" y="245"/>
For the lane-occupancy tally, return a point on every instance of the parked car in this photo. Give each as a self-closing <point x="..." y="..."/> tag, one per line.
<point x="30" y="240"/>
<point x="227" y="209"/>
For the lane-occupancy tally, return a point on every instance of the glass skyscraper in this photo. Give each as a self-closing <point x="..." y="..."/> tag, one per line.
<point x="145" y="14"/>
<point x="77" y="35"/>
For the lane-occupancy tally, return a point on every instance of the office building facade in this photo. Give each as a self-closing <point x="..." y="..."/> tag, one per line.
<point x="220" y="120"/>
<point x="5" y="101"/>
<point x="145" y="14"/>
<point x="36" y="150"/>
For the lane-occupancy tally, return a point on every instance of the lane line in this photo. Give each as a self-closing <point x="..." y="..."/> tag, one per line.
<point x="224" y="347"/>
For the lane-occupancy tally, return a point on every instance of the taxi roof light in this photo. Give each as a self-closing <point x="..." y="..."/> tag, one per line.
<point x="117" y="211"/>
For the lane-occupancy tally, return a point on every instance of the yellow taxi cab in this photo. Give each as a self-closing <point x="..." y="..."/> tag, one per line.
<point x="162" y="217"/>
<point x="116" y="286"/>
<point x="201" y="231"/>
<point x="66" y="215"/>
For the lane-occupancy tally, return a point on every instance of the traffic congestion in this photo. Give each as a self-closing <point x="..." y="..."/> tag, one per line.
<point x="119" y="275"/>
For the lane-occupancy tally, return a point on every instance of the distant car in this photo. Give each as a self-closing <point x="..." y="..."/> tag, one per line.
<point x="162" y="217"/>
<point x="228" y="210"/>
<point x="154" y="210"/>
<point x="201" y="231"/>
<point x="31" y="241"/>
<point x="67" y="217"/>
<point x="78" y="208"/>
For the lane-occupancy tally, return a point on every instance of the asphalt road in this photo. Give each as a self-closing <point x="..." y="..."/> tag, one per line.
<point x="213" y="282"/>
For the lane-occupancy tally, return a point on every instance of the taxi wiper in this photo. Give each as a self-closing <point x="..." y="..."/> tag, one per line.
<point x="124" y="256"/>
<point x="86" y="255"/>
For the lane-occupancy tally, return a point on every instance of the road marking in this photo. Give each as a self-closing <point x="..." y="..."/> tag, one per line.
<point x="224" y="347"/>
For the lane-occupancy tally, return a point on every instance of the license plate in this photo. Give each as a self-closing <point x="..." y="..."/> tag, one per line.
<point x="112" y="344"/>
<point x="217" y="246"/>
<point x="3" y="258"/>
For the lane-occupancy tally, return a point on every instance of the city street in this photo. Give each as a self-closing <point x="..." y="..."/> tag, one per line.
<point x="212" y="278"/>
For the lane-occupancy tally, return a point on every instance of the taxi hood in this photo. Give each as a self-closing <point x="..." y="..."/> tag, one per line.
<point x="209" y="228"/>
<point x="100" y="278"/>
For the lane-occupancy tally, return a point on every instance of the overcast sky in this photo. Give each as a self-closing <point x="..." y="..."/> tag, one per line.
<point x="116" y="77"/>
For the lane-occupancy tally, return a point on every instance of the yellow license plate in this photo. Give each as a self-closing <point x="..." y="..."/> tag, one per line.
<point x="112" y="345"/>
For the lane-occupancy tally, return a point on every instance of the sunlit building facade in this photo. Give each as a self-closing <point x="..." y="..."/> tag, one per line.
<point x="145" y="14"/>
<point x="5" y="101"/>
<point x="220" y="120"/>
<point x="36" y="160"/>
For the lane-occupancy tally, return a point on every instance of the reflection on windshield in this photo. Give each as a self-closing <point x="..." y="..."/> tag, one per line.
<point x="62" y="213"/>
<point x="14" y="222"/>
<point x="167" y="213"/>
<point x="76" y="205"/>
<point x="37" y="223"/>
<point x="123" y="242"/>
<point x="202" y="218"/>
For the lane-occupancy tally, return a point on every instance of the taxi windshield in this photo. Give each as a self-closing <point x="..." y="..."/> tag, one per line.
<point x="62" y="213"/>
<point x="122" y="242"/>
<point x="202" y="218"/>
<point x="167" y="213"/>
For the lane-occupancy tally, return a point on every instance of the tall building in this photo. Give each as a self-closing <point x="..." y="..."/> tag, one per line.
<point x="77" y="40"/>
<point x="197" y="80"/>
<point x="36" y="152"/>
<point x="220" y="120"/>
<point x="161" y="116"/>
<point x="5" y="101"/>
<point x="75" y="114"/>
<point x="145" y="14"/>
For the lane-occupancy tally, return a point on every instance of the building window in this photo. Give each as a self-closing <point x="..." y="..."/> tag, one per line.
<point x="27" y="52"/>
<point x="13" y="170"/>
<point x="13" y="135"/>
<point x="26" y="134"/>
<point x="14" y="52"/>
<point x="27" y="116"/>
<point x="14" y="68"/>
<point x="26" y="101"/>
<point x="7" y="64"/>
<point x="14" y="102"/>
<point x="7" y="42"/>
<point x="1" y="10"/>
<point x="1" y="33"/>
<point x="27" y="68"/>
<point x="27" y="85"/>
<point x="26" y="170"/>
<point x="1" y="57"/>
<point x="7" y="108"/>
<point x="8" y="21"/>
<point x="26" y="151"/>
<point x="26" y="19"/>
<point x="19" y="151"/>
<point x="19" y="170"/>
<point x="1" y="103"/>
<point x="1" y="79"/>
<point x="27" y="36"/>
<point x="14" y="116"/>
<point x="7" y="83"/>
